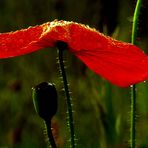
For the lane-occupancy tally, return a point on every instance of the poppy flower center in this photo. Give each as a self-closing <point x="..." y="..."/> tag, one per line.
<point x="61" y="45"/>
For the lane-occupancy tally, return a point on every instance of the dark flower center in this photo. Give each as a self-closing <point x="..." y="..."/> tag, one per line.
<point x="61" y="45"/>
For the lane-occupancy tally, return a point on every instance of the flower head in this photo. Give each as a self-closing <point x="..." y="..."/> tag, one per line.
<point x="121" y="63"/>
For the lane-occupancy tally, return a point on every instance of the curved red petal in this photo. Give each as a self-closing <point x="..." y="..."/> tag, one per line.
<point x="20" y="42"/>
<point x="121" y="63"/>
<point x="118" y="65"/>
<point x="33" y="38"/>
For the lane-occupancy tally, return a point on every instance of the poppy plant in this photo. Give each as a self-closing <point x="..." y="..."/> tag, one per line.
<point x="121" y="63"/>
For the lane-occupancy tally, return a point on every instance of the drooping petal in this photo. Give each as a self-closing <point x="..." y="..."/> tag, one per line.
<point x="32" y="39"/>
<point x="117" y="65"/>
<point x="20" y="42"/>
<point x="121" y="63"/>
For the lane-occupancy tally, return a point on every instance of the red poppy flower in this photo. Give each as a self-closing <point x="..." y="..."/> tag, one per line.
<point x="121" y="63"/>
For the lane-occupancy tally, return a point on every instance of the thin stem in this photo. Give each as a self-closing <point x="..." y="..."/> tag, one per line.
<point x="133" y="117"/>
<point x="135" y="21"/>
<point x="50" y="135"/>
<point x="68" y="98"/>
<point x="133" y="89"/>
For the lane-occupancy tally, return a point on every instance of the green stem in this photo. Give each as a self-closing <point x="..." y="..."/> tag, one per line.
<point x="133" y="89"/>
<point x="50" y="135"/>
<point x="135" y="21"/>
<point x="133" y="117"/>
<point x="69" y="104"/>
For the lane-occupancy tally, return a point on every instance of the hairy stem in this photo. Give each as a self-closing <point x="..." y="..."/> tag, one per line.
<point x="133" y="89"/>
<point x="49" y="134"/>
<point x="68" y="98"/>
<point x="133" y="117"/>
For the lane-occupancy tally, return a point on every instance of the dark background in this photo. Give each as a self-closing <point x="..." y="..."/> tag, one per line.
<point x="101" y="110"/>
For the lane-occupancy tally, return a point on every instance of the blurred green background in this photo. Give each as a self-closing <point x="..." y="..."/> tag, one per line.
<point x="101" y="110"/>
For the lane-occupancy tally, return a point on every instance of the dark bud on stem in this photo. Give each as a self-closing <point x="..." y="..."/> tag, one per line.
<point x="45" y="100"/>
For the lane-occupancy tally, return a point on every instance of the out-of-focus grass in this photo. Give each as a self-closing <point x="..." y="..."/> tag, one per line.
<point x="101" y="110"/>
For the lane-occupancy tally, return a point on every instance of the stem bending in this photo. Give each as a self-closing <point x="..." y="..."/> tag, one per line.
<point x="50" y="135"/>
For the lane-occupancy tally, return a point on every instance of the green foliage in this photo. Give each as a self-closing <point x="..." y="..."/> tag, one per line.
<point x="101" y="110"/>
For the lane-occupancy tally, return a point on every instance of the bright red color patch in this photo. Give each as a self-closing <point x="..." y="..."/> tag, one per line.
<point x="121" y="63"/>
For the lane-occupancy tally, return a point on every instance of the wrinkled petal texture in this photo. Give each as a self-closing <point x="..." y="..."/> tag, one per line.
<point x="121" y="63"/>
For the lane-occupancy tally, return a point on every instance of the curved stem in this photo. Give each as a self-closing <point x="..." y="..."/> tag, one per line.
<point x="68" y="98"/>
<point x="133" y="89"/>
<point x="50" y="135"/>
<point x="135" y="21"/>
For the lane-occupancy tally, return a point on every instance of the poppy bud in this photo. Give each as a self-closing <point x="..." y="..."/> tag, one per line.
<point x="45" y="100"/>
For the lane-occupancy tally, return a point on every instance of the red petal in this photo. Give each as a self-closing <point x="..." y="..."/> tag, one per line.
<point x="121" y="63"/>
<point x="32" y="39"/>
<point x="117" y="64"/>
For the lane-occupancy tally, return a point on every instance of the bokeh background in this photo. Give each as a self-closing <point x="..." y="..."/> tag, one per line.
<point x="101" y="110"/>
